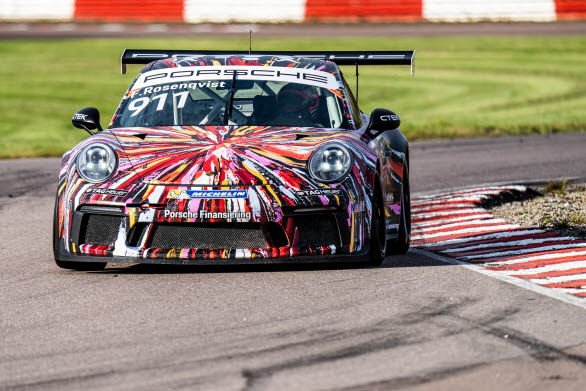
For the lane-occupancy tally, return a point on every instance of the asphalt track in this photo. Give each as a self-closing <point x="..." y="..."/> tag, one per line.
<point x="67" y="30"/>
<point x="414" y="323"/>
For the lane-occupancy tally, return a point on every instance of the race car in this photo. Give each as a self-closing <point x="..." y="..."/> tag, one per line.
<point x="236" y="158"/>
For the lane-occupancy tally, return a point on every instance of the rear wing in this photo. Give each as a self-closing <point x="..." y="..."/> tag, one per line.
<point x="134" y="56"/>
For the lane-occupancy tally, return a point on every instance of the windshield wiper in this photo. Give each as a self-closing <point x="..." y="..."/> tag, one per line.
<point x="229" y="103"/>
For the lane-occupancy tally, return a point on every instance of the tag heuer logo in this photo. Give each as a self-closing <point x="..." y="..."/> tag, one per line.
<point x="319" y="192"/>
<point x="108" y="192"/>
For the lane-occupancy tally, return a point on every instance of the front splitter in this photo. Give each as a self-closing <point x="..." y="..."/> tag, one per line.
<point x="361" y="256"/>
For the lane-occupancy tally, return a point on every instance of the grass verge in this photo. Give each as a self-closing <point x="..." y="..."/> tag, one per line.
<point x="558" y="187"/>
<point x="464" y="86"/>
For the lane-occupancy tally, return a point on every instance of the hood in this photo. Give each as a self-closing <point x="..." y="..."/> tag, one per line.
<point x="224" y="155"/>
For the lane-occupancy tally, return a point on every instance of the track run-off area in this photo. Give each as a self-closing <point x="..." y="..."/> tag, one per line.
<point x="477" y="301"/>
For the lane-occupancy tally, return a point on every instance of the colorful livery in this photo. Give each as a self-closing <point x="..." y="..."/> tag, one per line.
<point x="229" y="158"/>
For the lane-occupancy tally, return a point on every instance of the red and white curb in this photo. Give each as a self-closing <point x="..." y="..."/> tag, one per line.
<point x="455" y="228"/>
<point x="227" y="11"/>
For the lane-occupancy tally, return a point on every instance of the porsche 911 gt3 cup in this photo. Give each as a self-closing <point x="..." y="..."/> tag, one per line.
<point x="231" y="158"/>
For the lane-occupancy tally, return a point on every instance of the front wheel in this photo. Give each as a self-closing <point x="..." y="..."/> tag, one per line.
<point x="401" y="244"/>
<point x="378" y="244"/>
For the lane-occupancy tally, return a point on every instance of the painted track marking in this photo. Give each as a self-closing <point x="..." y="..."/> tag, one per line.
<point x="455" y="228"/>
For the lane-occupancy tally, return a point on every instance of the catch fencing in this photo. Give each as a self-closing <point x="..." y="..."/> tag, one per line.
<point x="262" y="11"/>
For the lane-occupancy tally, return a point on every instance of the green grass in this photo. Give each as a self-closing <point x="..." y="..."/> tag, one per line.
<point x="556" y="187"/>
<point x="463" y="87"/>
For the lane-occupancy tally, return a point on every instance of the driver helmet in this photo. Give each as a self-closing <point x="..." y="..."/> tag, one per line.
<point x="299" y="100"/>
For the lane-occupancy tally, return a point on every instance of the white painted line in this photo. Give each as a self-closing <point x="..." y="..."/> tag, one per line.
<point x="442" y="206"/>
<point x="63" y="27"/>
<point x="112" y="27"/>
<point x="467" y="231"/>
<point x="463" y="190"/>
<point x="522" y="283"/>
<point x="202" y="28"/>
<point x="451" y="198"/>
<point x="157" y="28"/>
<point x="446" y="198"/>
<point x="524" y="242"/>
<point x="238" y="28"/>
<point x="524" y="251"/>
<point x="459" y="199"/>
<point x="474" y="191"/>
<point x="489" y="236"/>
<point x="450" y="213"/>
<point x="553" y="280"/>
<point x="571" y="290"/>
<point x="547" y="268"/>
<point x="18" y="27"/>
<point x="538" y="257"/>
<point x="454" y="219"/>
<point x="461" y="224"/>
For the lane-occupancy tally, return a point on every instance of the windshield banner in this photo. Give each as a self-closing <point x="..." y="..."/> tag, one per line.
<point x="284" y="74"/>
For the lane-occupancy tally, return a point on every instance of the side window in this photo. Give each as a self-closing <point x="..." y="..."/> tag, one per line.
<point x="356" y="114"/>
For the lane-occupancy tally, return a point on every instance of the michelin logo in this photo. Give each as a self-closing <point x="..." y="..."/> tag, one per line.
<point x="195" y="194"/>
<point x="208" y="215"/>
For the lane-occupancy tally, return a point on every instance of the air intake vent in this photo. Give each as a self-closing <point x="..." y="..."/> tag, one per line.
<point x="99" y="230"/>
<point x="208" y="236"/>
<point x="318" y="229"/>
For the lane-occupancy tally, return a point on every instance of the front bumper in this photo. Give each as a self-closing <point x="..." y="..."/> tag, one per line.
<point x="131" y="233"/>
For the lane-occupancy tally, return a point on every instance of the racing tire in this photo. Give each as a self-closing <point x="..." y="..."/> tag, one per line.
<point x="83" y="266"/>
<point x="378" y="244"/>
<point x="401" y="244"/>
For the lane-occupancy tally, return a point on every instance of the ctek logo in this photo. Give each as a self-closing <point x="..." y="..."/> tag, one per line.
<point x="195" y="194"/>
<point x="390" y="117"/>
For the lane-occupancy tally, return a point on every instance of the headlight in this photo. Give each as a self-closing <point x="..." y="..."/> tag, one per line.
<point x="96" y="162"/>
<point x="330" y="163"/>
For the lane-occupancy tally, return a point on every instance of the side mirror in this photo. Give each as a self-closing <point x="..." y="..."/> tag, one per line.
<point x="87" y="119"/>
<point x="381" y="120"/>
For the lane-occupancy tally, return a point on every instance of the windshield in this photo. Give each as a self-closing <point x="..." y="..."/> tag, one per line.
<point x="300" y="97"/>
